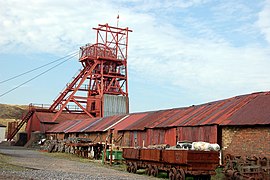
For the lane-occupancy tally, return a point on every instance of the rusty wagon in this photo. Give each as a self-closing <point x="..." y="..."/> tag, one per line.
<point x="177" y="163"/>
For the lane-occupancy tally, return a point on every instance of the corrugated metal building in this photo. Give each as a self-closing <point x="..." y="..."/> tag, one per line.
<point x="114" y="105"/>
<point x="42" y="121"/>
<point x="241" y="125"/>
<point x="2" y="132"/>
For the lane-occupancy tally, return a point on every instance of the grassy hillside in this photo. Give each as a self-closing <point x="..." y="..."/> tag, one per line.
<point x="12" y="111"/>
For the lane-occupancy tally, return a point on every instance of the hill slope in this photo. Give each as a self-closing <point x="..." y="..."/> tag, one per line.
<point x="12" y="111"/>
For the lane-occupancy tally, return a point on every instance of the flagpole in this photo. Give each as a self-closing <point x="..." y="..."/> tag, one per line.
<point x="117" y="19"/>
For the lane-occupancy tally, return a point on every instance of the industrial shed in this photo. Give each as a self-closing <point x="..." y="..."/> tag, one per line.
<point x="240" y="125"/>
<point x="42" y="121"/>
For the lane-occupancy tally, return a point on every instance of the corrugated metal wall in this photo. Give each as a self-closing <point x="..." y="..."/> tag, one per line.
<point x="2" y="133"/>
<point x="155" y="136"/>
<point x="114" y="105"/>
<point x="32" y="125"/>
<point x="161" y="136"/>
<point x="12" y="126"/>
<point x="149" y="137"/>
<point x="170" y="136"/>
<point x="198" y="133"/>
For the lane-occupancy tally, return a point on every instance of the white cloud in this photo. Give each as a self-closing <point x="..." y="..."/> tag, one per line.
<point x="264" y="20"/>
<point x="206" y="64"/>
<point x="49" y="26"/>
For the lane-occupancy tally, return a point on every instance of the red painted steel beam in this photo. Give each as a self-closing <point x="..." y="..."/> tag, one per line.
<point x="67" y="90"/>
<point x="75" y="90"/>
<point x="104" y="71"/>
<point x="90" y="115"/>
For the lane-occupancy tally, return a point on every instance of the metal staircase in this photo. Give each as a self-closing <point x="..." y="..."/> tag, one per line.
<point x="23" y="121"/>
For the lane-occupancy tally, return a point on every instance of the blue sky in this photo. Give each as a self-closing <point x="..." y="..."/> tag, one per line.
<point x="182" y="52"/>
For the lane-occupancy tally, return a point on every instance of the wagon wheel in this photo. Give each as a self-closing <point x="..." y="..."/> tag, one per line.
<point x="172" y="174"/>
<point x="148" y="170"/>
<point x="180" y="175"/>
<point x="129" y="165"/>
<point x="134" y="167"/>
<point x="154" y="171"/>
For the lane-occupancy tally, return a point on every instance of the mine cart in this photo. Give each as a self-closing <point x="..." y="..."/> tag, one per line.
<point x="246" y="168"/>
<point x="176" y="162"/>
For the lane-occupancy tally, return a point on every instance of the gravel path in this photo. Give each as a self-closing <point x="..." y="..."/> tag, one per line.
<point x="31" y="164"/>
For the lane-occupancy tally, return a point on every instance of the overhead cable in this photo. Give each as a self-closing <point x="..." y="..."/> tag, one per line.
<point x="14" y="77"/>
<point x="37" y="76"/>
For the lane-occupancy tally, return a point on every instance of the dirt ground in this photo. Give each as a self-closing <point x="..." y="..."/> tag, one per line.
<point x="21" y="163"/>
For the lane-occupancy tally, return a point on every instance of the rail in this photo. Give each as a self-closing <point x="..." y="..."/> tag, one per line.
<point x="82" y="87"/>
<point x="73" y="108"/>
<point x="39" y="106"/>
<point x="98" y="50"/>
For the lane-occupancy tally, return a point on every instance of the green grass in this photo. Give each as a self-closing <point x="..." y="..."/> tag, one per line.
<point x="121" y="167"/>
<point x="11" y="113"/>
<point x="67" y="156"/>
<point x="219" y="175"/>
<point x="5" y="165"/>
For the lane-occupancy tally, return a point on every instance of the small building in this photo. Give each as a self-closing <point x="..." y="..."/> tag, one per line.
<point x="2" y="132"/>
<point x="240" y="125"/>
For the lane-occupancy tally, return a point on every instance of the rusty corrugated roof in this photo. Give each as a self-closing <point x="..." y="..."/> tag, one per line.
<point x="47" y="117"/>
<point x="104" y="123"/>
<point x="82" y="125"/>
<point x="241" y="110"/>
<point x="62" y="126"/>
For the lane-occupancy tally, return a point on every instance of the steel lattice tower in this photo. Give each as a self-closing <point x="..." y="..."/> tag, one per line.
<point x="104" y="73"/>
<point x="101" y="83"/>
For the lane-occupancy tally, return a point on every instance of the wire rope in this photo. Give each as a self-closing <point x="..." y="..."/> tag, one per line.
<point x="19" y="75"/>
<point x="9" y="91"/>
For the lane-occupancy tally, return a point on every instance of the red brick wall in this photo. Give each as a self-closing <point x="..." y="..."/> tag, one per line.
<point x="246" y="141"/>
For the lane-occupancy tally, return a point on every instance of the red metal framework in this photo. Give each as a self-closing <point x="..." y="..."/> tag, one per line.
<point x="104" y="72"/>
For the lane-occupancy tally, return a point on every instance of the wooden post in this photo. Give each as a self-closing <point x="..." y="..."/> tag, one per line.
<point x="104" y="152"/>
<point x="111" y="152"/>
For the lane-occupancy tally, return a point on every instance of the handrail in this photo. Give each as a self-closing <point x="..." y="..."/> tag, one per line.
<point x="95" y="50"/>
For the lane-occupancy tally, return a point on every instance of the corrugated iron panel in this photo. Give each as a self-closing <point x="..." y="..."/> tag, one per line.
<point x="127" y="123"/>
<point x="103" y="124"/>
<point x="219" y="112"/>
<point x="82" y="125"/>
<point x="147" y="120"/>
<point x="12" y="126"/>
<point x="156" y="136"/>
<point x="141" y="138"/>
<point x="48" y="117"/>
<point x="33" y="124"/>
<point x="242" y="110"/>
<point x="62" y="126"/>
<point x="126" y="138"/>
<point x="114" y="105"/>
<point x="170" y="136"/>
<point x="197" y="133"/>
<point x="257" y="112"/>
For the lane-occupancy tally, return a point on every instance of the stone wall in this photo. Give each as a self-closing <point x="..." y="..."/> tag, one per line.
<point x="246" y="141"/>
